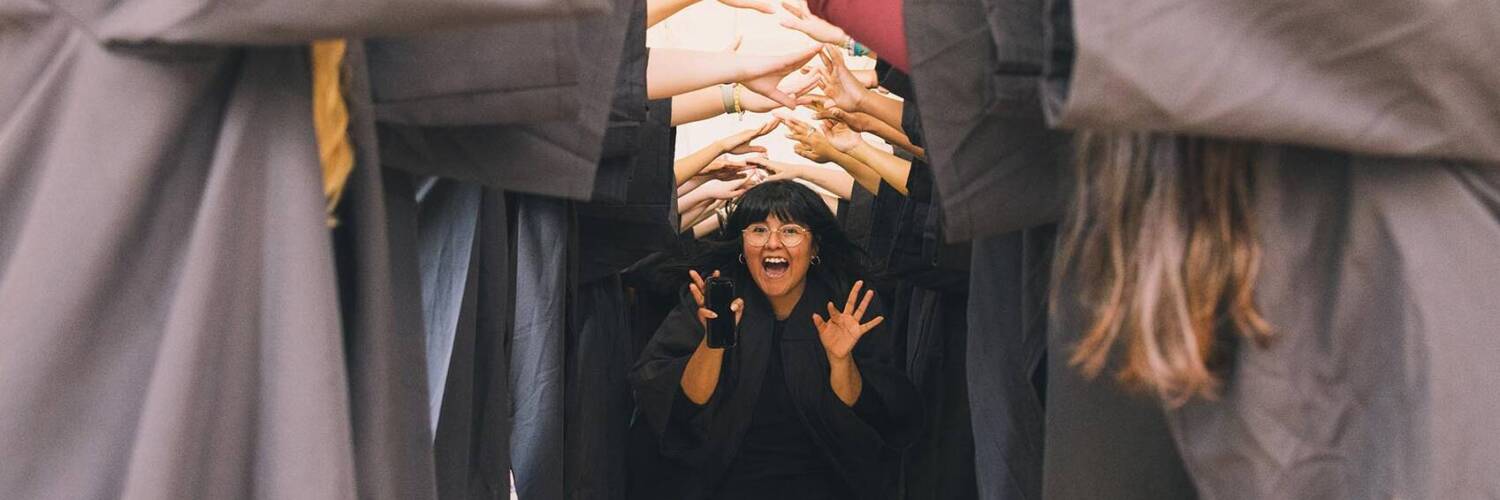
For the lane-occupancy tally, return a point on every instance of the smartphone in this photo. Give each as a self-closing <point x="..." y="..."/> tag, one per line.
<point x="721" y="331"/>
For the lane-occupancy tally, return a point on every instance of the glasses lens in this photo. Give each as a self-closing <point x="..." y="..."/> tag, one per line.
<point x="757" y="235"/>
<point x="792" y="235"/>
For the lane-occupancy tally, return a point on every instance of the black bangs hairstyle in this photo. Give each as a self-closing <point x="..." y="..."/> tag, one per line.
<point x="840" y="261"/>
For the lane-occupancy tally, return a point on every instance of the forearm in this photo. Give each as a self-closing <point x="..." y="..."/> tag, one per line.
<point x="891" y="168"/>
<point x="892" y="135"/>
<point x="700" y="104"/>
<point x="883" y="108"/>
<point x="670" y="72"/>
<point x="706" y="214"/>
<point x="867" y="177"/>
<point x="688" y="166"/>
<point x="701" y="376"/>
<point x="845" y="379"/>
<point x="838" y="182"/>
<point x="706" y="227"/>
<point x="659" y="10"/>
<point x="688" y="187"/>
<point x="689" y="209"/>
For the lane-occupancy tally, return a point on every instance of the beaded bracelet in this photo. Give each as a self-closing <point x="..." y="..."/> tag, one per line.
<point x="737" y="108"/>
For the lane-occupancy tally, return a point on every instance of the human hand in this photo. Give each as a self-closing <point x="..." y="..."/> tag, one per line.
<point x="794" y="85"/>
<point x="838" y="82"/>
<point x="755" y="5"/>
<point x="842" y="330"/>
<point x="840" y="136"/>
<point x="777" y="170"/>
<point x="724" y="169"/>
<point x="858" y="122"/>
<point x="704" y="314"/>
<point x="811" y="143"/>
<point x="739" y="142"/>
<point x="763" y="74"/>
<point x="798" y="18"/>
<point x="725" y="190"/>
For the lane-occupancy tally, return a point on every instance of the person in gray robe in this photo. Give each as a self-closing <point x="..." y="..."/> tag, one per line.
<point x="1376" y="187"/>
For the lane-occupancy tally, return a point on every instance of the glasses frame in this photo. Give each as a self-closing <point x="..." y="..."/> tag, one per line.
<point x="745" y="234"/>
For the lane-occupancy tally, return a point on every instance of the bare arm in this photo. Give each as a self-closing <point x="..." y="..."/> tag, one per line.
<point x="671" y="72"/>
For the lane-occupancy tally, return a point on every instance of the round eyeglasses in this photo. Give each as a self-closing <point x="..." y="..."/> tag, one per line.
<point x="757" y="235"/>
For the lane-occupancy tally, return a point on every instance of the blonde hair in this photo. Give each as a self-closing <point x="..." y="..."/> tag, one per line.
<point x="1161" y="243"/>
<point x="331" y="121"/>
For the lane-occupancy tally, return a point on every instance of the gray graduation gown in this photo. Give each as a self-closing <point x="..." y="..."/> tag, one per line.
<point x="1380" y="259"/>
<point x="168" y="299"/>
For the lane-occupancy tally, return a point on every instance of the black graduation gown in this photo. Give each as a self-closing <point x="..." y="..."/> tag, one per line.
<point x="702" y="448"/>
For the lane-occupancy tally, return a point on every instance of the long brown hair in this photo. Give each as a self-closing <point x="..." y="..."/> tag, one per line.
<point x="1160" y="245"/>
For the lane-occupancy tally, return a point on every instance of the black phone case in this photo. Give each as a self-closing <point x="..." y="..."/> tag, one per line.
<point x="721" y="332"/>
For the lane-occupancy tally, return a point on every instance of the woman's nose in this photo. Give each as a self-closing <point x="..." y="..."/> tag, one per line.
<point x="774" y="241"/>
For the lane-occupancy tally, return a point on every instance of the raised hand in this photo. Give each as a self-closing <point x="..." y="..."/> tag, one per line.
<point x="840" y="136"/>
<point x="724" y="169"/>
<point x="838" y="82"/>
<point x="842" y="330"/>
<point x="801" y="20"/>
<point x="795" y="85"/>
<point x="726" y="190"/>
<point x="739" y="142"/>
<point x="811" y="143"/>
<point x="755" y="5"/>
<point x="778" y="170"/>
<point x="762" y="74"/>
<point x="704" y="314"/>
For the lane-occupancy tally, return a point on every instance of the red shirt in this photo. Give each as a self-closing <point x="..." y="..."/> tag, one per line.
<point x="875" y="23"/>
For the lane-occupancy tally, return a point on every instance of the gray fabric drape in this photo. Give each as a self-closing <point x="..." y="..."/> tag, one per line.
<point x="379" y="301"/>
<point x="1372" y="269"/>
<point x="975" y="65"/>
<point x="1385" y="77"/>
<point x="169" y="302"/>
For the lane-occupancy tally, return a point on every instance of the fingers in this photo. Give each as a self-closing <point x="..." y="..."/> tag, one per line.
<point x="746" y="149"/>
<point x="818" y="321"/>
<point x="864" y="304"/>
<point x="794" y="9"/>
<point x="832" y="311"/>
<point x="853" y="297"/>
<point x="697" y="293"/>
<point x="783" y="99"/>
<point x="865" y="328"/>
<point x="697" y="279"/>
<point x="738" y="306"/>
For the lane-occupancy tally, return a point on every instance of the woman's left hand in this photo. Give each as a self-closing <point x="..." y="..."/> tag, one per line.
<point x="842" y="330"/>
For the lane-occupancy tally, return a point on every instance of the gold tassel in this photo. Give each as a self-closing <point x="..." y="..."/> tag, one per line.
<point x="331" y="121"/>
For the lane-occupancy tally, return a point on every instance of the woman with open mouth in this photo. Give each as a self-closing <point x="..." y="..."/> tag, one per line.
<point x="808" y="403"/>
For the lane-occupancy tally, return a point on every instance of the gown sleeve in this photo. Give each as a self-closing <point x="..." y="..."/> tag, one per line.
<point x="656" y="378"/>
<point x="1386" y="77"/>
<point x="977" y="70"/>
<point x="276" y="22"/>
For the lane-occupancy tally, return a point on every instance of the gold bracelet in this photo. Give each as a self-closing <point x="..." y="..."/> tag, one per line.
<point x="737" y="108"/>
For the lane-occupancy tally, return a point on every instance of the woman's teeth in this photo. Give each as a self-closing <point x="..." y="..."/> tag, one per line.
<point x="775" y="267"/>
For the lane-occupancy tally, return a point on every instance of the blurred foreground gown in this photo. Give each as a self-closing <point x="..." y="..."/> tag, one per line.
<point x="168" y="302"/>
<point x="1378" y="210"/>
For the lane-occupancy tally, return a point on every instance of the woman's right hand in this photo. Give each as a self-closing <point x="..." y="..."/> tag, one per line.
<point x="814" y="27"/>
<point x="704" y="314"/>
<point x="811" y="143"/>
